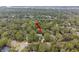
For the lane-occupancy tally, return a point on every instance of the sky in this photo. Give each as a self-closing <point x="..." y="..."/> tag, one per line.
<point x="39" y="2"/>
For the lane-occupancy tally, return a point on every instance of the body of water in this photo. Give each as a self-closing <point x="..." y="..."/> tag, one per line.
<point x="5" y="49"/>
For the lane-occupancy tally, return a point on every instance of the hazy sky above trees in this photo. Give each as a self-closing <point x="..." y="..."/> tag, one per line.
<point x="39" y="2"/>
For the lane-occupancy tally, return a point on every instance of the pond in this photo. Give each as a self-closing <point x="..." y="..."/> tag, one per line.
<point x="5" y="49"/>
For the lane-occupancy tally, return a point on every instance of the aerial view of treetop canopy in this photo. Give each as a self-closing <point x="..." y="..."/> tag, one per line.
<point x="39" y="29"/>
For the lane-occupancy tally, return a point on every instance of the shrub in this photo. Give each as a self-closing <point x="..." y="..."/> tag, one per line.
<point x="47" y="37"/>
<point x="3" y="41"/>
<point x="32" y="37"/>
<point x="44" y="47"/>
